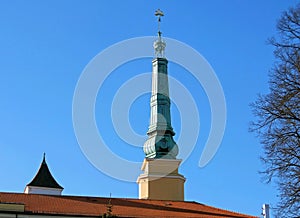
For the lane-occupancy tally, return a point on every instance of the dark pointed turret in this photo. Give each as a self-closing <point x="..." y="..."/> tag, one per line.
<point x="43" y="182"/>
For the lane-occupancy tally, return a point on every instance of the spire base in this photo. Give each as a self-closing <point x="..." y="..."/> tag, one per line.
<point x="161" y="180"/>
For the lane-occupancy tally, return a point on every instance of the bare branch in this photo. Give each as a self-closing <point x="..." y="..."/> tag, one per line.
<point x="278" y="116"/>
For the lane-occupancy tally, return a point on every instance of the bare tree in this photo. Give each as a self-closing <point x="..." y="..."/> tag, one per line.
<point x="278" y="116"/>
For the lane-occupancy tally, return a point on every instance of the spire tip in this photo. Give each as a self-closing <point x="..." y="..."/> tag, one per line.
<point x="159" y="44"/>
<point x="44" y="157"/>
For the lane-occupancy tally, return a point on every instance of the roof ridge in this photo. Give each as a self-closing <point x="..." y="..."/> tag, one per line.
<point x="86" y="206"/>
<point x="225" y="210"/>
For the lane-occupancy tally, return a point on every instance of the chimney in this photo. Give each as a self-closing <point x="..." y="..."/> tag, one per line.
<point x="266" y="211"/>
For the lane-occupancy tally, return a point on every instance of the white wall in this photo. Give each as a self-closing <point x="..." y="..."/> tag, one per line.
<point x="42" y="190"/>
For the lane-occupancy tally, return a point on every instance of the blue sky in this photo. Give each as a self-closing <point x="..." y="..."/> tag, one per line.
<point x="44" y="48"/>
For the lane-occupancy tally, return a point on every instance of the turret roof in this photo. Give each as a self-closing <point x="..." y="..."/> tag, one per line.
<point x="44" y="178"/>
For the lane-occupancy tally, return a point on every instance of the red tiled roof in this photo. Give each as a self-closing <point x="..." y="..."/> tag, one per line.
<point x="121" y="207"/>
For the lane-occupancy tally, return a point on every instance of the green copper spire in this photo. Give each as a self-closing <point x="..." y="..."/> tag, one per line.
<point x="160" y="142"/>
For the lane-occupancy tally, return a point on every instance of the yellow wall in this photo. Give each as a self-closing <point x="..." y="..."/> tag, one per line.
<point x="162" y="189"/>
<point x="161" y="180"/>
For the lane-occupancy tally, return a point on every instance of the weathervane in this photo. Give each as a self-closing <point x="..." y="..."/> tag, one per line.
<point x="159" y="14"/>
<point x="159" y="45"/>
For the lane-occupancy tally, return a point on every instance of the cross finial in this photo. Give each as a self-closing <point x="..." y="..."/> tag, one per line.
<point x="159" y="14"/>
<point x="159" y="44"/>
